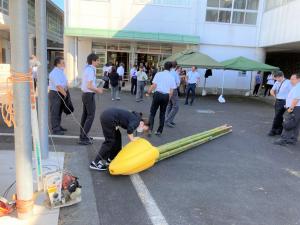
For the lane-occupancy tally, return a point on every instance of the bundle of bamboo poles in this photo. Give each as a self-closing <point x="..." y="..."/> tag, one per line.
<point x="184" y="144"/>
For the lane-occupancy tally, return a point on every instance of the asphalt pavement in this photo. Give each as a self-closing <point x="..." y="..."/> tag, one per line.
<point x="240" y="178"/>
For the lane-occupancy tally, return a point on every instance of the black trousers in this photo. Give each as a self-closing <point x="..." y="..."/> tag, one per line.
<point x="160" y="101"/>
<point x="292" y="134"/>
<point x="190" y="88"/>
<point x="112" y="144"/>
<point x="267" y="89"/>
<point x="88" y="114"/>
<point x="56" y="109"/>
<point x="256" y="88"/>
<point x="278" y="118"/>
<point x="133" y="86"/>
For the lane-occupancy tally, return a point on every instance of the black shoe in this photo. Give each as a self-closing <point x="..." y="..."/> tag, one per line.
<point x="170" y="125"/>
<point x="157" y="133"/>
<point x="280" y="142"/>
<point x="186" y="103"/>
<point x="85" y="142"/>
<point x="63" y="129"/>
<point x="100" y="166"/>
<point x="271" y="133"/>
<point x="59" y="132"/>
<point x="191" y="104"/>
<point x="173" y="123"/>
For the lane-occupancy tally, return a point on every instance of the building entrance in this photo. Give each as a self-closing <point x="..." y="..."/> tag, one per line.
<point x="149" y="60"/>
<point x="116" y="58"/>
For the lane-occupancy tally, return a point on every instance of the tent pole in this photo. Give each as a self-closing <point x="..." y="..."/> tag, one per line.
<point x="223" y="82"/>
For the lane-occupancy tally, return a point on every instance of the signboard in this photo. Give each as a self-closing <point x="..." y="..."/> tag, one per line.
<point x="4" y="72"/>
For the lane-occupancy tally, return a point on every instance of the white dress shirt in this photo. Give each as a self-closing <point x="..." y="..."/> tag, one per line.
<point x="133" y="72"/>
<point x="282" y="89"/>
<point x="164" y="81"/>
<point x="57" y="77"/>
<point x="141" y="76"/>
<point x="89" y="74"/>
<point x="176" y="77"/>
<point x="193" y="77"/>
<point x="270" y="80"/>
<point x="293" y="95"/>
<point x="120" y="71"/>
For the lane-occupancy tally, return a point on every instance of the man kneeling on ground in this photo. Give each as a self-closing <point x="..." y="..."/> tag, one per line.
<point x="111" y="120"/>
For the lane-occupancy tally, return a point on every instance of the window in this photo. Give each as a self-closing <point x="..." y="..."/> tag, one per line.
<point x="176" y="3"/>
<point x="4" y="6"/>
<point x="54" y="23"/>
<point x="232" y="11"/>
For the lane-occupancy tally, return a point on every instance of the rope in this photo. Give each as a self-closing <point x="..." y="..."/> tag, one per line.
<point x="7" y="98"/>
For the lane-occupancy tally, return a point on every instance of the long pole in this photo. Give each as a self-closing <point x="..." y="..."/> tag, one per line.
<point x="23" y="145"/>
<point x="41" y="51"/>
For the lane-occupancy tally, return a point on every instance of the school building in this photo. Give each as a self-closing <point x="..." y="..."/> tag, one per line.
<point x="55" y="28"/>
<point x="134" y="31"/>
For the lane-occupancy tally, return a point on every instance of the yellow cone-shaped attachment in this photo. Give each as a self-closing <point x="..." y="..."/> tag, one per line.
<point x="135" y="157"/>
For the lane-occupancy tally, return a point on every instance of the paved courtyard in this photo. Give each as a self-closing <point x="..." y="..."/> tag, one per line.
<point x="240" y="178"/>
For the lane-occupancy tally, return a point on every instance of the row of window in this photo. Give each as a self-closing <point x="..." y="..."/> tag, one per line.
<point x="54" y="22"/>
<point x="4" y="6"/>
<point x="232" y="11"/>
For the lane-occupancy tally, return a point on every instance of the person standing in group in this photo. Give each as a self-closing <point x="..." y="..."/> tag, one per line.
<point x="112" y="120"/>
<point x="114" y="84"/>
<point x="269" y="85"/>
<point x="106" y="71"/>
<point x="192" y="78"/>
<point x="121" y="72"/>
<point x="173" y="105"/>
<point x="34" y="65"/>
<point x="58" y="86"/>
<point x="291" y="124"/>
<point x="258" y="81"/>
<point x="133" y="78"/>
<point x="153" y="73"/>
<point x="89" y="89"/>
<point x="163" y="84"/>
<point x="280" y="91"/>
<point x="141" y="83"/>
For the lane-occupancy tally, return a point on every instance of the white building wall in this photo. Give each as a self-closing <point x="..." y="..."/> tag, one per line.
<point x="233" y="79"/>
<point x="125" y="15"/>
<point x="84" y="49"/>
<point x="281" y="25"/>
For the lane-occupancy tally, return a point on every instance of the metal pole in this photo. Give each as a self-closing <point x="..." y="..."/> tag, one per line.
<point x="41" y="51"/>
<point x="23" y="145"/>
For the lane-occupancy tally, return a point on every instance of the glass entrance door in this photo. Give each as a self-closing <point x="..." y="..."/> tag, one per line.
<point x="116" y="58"/>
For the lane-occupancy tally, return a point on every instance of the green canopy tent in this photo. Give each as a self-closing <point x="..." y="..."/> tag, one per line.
<point x="245" y="64"/>
<point x="190" y="57"/>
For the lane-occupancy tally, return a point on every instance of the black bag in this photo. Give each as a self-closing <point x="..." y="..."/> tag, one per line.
<point x="289" y="122"/>
<point x="68" y="107"/>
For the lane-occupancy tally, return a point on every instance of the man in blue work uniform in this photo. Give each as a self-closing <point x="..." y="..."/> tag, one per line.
<point x="173" y="106"/>
<point x="280" y="91"/>
<point x="58" y="86"/>
<point x="292" y="122"/>
<point x="89" y="89"/>
<point x="164" y="85"/>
